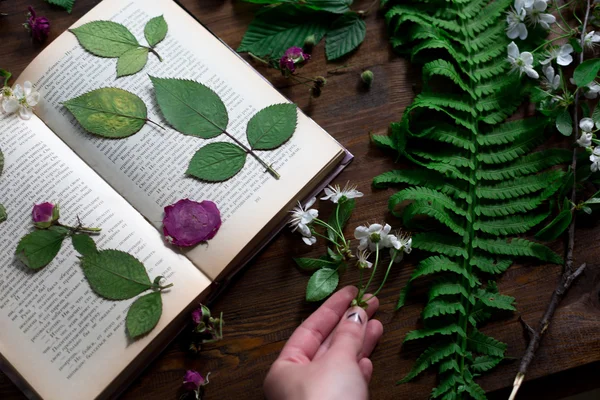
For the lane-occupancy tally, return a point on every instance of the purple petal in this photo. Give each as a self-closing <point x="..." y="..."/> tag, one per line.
<point x="187" y="223"/>
<point x="42" y="212"/>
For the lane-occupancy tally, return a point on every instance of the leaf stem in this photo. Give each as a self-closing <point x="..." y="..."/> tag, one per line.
<point x="161" y="288"/>
<point x="151" y="49"/>
<point x="268" y="168"/>
<point x="152" y="122"/>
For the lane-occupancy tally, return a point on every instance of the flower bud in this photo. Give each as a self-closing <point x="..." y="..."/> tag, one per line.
<point x="309" y="43"/>
<point x="39" y="27"/>
<point x="45" y="215"/>
<point x="192" y="380"/>
<point x="367" y="78"/>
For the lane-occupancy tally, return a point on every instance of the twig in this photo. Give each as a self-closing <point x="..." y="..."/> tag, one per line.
<point x="569" y="275"/>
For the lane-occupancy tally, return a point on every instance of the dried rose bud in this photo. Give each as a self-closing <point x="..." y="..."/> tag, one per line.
<point x="187" y="223"/>
<point x="192" y="380"/>
<point x="293" y="57"/>
<point x="367" y="78"/>
<point x="45" y="215"/>
<point x="39" y="27"/>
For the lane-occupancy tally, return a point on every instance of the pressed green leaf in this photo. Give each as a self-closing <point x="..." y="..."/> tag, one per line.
<point x="156" y="30"/>
<point x="217" y="162"/>
<point x="38" y="248"/>
<point x="191" y="107"/>
<point x="322" y="284"/>
<point x="564" y="123"/>
<point x="3" y="214"/>
<point x="105" y="38"/>
<point x="144" y="314"/>
<point x="272" y="126"/>
<point x="132" y="61"/>
<point x="586" y="72"/>
<point x="109" y="112"/>
<point x="115" y="275"/>
<point x="275" y="30"/>
<point x="66" y="4"/>
<point x="84" y="244"/>
<point x="346" y="34"/>
<point x="313" y="264"/>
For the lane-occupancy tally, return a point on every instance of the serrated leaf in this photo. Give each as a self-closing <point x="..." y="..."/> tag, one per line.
<point x="586" y="72"/>
<point x="144" y="314"/>
<point x="564" y="123"/>
<point x="431" y="356"/>
<point x="217" y="162"/>
<point x="115" y="275"/>
<point x="313" y="264"/>
<point x="483" y="344"/>
<point x="484" y="363"/>
<point x="322" y="284"/>
<point x="156" y="30"/>
<point x="109" y="112"/>
<point x="84" y="244"/>
<point x="66" y="4"/>
<point x="518" y="247"/>
<point x="272" y="126"/>
<point x="105" y="38"/>
<point x="3" y="214"/>
<point x="345" y="35"/>
<point x="38" y="248"/>
<point x="426" y="332"/>
<point x="191" y="107"/>
<point x="132" y="61"/>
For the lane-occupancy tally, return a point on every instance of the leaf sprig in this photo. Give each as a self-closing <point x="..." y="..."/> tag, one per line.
<point x="113" y="40"/>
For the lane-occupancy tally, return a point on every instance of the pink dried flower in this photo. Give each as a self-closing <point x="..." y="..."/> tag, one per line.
<point x="197" y="315"/>
<point x="192" y="380"/>
<point x="44" y="215"/>
<point x="39" y="27"/>
<point x="294" y="56"/>
<point x="187" y="223"/>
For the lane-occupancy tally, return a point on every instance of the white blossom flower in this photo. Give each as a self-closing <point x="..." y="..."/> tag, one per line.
<point x="595" y="159"/>
<point x="586" y="125"/>
<point x="561" y="54"/>
<point x="552" y="80"/>
<point x="301" y="217"/>
<point x="516" y="22"/>
<point x="535" y="14"/>
<point x="402" y="243"/>
<point x="24" y="99"/>
<point x="522" y="62"/>
<point x="310" y="240"/>
<point x="362" y="261"/>
<point x="335" y="193"/>
<point x="592" y="90"/>
<point x="585" y="140"/>
<point x="591" y="39"/>
<point x="6" y="93"/>
<point x="374" y="236"/>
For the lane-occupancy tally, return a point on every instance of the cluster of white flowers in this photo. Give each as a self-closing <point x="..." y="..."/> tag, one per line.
<point x="586" y="141"/>
<point x="21" y="99"/>
<point x="377" y="236"/>
<point x="530" y="12"/>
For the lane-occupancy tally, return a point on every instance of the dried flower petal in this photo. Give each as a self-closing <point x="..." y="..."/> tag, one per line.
<point x="187" y="223"/>
<point x="192" y="380"/>
<point x="294" y="56"/>
<point x="44" y="215"/>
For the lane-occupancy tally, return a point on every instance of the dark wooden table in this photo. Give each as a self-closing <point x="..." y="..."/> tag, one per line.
<point x="265" y="303"/>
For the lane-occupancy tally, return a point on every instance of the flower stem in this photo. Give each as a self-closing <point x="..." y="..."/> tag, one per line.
<point x="552" y="40"/>
<point x="268" y="168"/>
<point x="385" y="277"/>
<point x="326" y="225"/>
<point x="374" y="269"/>
<point x="326" y="238"/>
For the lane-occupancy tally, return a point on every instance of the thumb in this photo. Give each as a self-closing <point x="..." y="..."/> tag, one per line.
<point x="350" y="332"/>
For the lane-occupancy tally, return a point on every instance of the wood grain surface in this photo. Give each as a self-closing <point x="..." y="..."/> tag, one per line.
<point x="265" y="303"/>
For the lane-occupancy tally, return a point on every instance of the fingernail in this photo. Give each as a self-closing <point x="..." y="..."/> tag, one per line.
<point x="354" y="314"/>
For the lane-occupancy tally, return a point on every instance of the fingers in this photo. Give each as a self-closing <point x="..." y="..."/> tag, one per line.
<point x="350" y="334"/>
<point x="309" y="336"/>
<point x="373" y="305"/>
<point x="366" y="367"/>
<point x="374" y="332"/>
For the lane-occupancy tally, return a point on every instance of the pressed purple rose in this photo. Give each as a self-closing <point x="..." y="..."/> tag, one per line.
<point x="187" y="223"/>
<point x="192" y="380"/>
<point x="44" y="215"/>
<point x="294" y="56"/>
<point x="39" y="27"/>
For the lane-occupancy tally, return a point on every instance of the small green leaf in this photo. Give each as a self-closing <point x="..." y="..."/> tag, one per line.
<point x="313" y="264"/>
<point x="576" y="44"/>
<point x="586" y="72"/>
<point x="217" y="162"/>
<point x="191" y="107"/>
<point x="3" y="214"/>
<point x="340" y="217"/>
<point x="564" y="123"/>
<point x="555" y="228"/>
<point x="144" y="314"/>
<point x="132" y="61"/>
<point x="109" y="112"/>
<point x="272" y="126"/>
<point x="346" y="34"/>
<point x="38" y="249"/>
<point x="322" y="284"/>
<point x="84" y="244"/>
<point x="115" y="275"/>
<point x="156" y="30"/>
<point x="105" y="38"/>
<point x="66" y="4"/>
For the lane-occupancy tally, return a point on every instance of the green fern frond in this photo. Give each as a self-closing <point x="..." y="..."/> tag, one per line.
<point x="478" y="182"/>
<point x="430" y="357"/>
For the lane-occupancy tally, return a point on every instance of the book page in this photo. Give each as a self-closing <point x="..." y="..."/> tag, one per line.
<point x="148" y="168"/>
<point x="55" y="331"/>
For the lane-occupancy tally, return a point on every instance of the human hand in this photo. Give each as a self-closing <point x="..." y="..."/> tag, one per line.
<point x="327" y="356"/>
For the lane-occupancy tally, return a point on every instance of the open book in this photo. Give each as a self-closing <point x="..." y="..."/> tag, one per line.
<point x="58" y="339"/>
